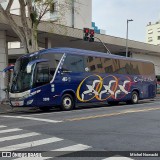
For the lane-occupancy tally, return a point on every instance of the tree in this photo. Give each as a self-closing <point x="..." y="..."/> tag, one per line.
<point x="31" y="13"/>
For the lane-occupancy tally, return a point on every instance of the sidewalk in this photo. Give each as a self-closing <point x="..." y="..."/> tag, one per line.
<point x="158" y="96"/>
<point x="5" y="108"/>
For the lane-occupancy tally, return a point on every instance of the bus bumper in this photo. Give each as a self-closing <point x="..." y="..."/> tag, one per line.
<point x="22" y="102"/>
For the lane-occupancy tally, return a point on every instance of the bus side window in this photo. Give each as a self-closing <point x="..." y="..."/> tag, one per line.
<point x="51" y="73"/>
<point x="73" y="63"/>
<point x="94" y="64"/>
<point x="42" y="76"/>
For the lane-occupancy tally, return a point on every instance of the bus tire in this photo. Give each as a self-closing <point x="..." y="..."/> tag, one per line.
<point x="113" y="103"/>
<point x="67" y="102"/>
<point x="134" y="98"/>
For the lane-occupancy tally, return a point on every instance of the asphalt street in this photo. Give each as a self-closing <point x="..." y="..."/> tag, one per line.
<point x="100" y="131"/>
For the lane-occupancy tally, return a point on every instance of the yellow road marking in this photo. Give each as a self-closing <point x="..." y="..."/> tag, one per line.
<point x="112" y="114"/>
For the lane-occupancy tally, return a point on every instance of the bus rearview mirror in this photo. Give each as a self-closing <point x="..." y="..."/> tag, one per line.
<point x="7" y="69"/>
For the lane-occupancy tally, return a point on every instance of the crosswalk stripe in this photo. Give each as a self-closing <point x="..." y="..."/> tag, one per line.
<point x="30" y="144"/>
<point x="118" y="158"/>
<point x="77" y="147"/>
<point x="35" y="119"/>
<point x="18" y="136"/>
<point x="1" y="126"/>
<point x="10" y="130"/>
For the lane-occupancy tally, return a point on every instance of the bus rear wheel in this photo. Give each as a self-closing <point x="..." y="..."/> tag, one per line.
<point x="134" y="98"/>
<point x="67" y="102"/>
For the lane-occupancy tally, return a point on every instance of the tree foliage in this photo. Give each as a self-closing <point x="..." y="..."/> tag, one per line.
<point x="31" y="13"/>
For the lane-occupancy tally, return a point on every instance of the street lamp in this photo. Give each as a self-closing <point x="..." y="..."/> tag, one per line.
<point x="128" y="20"/>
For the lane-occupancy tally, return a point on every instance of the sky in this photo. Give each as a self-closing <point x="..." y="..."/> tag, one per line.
<point x="112" y="15"/>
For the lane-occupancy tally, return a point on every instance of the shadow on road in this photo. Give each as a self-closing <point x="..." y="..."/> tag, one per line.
<point x="6" y="109"/>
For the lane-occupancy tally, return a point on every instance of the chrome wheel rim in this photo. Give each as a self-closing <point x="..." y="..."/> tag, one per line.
<point x="67" y="102"/>
<point x="135" y="98"/>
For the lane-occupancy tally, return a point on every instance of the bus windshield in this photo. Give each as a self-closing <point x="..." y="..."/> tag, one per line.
<point x="22" y="80"/>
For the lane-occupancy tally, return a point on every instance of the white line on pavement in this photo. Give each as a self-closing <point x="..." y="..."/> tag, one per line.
<point x="30" y="144"/>
<point x="18" y="136"/>
<point x="77" y="147"/>
<point x="35" y="119"/>
<point x="10" y="130"/>
<point x="73" y="148"/>
<point x="1" y="126"/>
<point x="118" y="158"/>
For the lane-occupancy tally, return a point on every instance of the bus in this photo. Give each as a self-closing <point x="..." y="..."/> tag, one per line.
<point x="67" y="77"/>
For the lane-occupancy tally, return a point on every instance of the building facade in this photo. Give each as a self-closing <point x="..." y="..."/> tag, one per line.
<point x="71" y="13"/>
<point x="153" y="33"/>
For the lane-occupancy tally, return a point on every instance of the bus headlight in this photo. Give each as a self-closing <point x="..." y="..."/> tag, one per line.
<point x="29" y="102"/>
<point x="35" y="92"/>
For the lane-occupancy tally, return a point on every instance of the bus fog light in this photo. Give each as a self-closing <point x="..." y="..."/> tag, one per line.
<point x="29" y="102"/>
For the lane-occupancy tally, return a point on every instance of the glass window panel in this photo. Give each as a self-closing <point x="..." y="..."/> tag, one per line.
<point x="73" y="63"/>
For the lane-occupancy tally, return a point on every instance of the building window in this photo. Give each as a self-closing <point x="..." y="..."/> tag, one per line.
<point x="90" y="59"/>
<point x="53" y="7"/>
<point x="99" y="65"/>
<point x="150" y="39"/>
<point x="158" y="29"/>
<point x="158" y="37"/>
<point x="150" y="31"/>
<point x="93" y="68"/>
<point x="109" y="69"/>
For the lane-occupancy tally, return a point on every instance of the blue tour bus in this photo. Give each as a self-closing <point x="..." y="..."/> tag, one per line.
<point x="65" y="77"/>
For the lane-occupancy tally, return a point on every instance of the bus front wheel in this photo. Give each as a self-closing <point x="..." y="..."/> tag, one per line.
<point x="134" y="98"/>
<point x="67" y="102"/>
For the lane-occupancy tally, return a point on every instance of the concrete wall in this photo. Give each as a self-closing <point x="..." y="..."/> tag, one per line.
<point x="83" y="15"/>
<point x="153" y="58"/>
<point x="3" y="61"/>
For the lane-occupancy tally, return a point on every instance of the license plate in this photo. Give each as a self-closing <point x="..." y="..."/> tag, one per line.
<point x="17" y="103"/>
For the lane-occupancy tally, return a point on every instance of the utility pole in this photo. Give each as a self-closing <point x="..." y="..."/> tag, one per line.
<point x="128" y="20"/>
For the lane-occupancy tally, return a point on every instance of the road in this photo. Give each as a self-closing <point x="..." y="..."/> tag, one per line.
<point x="99" y="128"/>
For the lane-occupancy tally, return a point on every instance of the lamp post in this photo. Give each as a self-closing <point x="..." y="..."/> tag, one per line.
<point x="128" y="20"/>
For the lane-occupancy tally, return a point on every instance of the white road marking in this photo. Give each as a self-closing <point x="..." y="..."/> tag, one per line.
<point x="18" y="136"/>
<point x="56" y="112"/>
<point x="77" y="147"/>
<point x="1" y="126"/>
<point x="118" y="158"/>
<point x="10" y="130"/>
<point x="30" y="144"/>
<point x="91" y="109"/>
<point x="35" y="119"/>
